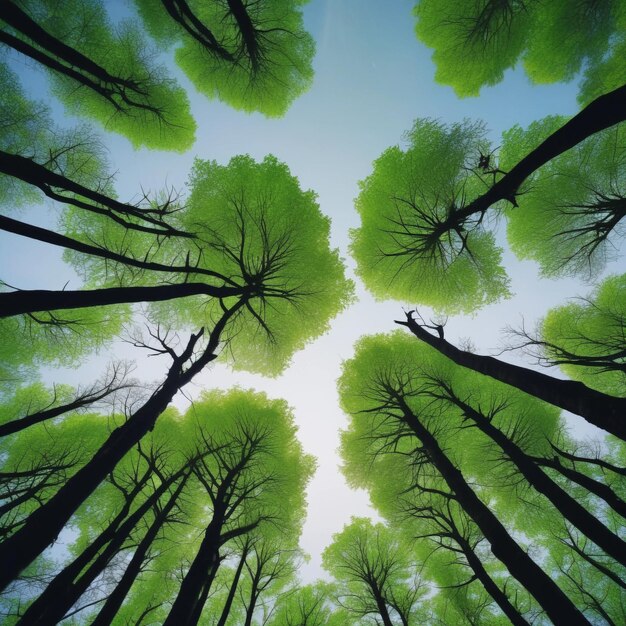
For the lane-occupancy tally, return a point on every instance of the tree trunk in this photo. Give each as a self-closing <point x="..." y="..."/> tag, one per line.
<point x="604" y="492"/>
<point x="488" y="583"/>
<point x="381" y="605"/>
<point x="601" y="410"/>
<point x="555" y="603"/>
<point x="69" y="585"/>
<point x="55" y="239"/>
<point x="31" y="301"/>
<point x="189" y="602"/>
<point x="181" y="13"/>
<point x="604" y="112"/>
<point x="33" y="173"/>
<point x="44" y="525"/>
<point x="113" y="603"/>
<point x="233" y="588"/>
<point x="567" y="506"/>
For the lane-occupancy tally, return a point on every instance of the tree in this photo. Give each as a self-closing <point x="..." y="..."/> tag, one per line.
<point x="568" y="213"/>
<point x="75" y="578"/>
<point x="102" y="72"/>
<point x="35" y="404"/>
<point x="253" y="56"/>
<point x="246" y="245"/>
<point x="390" y="416"/>
<point x="376" y="576"/>
<point x="600" y="409"/>
<point x="474" y="43"/>
<point x="254" y="479"/>
<point x="423" y="234"/>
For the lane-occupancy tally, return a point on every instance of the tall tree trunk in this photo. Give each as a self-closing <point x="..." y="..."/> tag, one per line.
<point x="181" y="12"/>
<point x="189" y="602"/>
<point x="63" y="241"/>
<point x="233" y="587"/>
<point x="22" y="22"/>
<point x="254" y="596"/>
<point x="567" y="506"/>
<point x="70" y="584"/>
<point x="113" y="603"/>
<point x="604" y="112"/>
<point x="381" y="605"/>
<point x="248" y="32"/>
<point x="31" y="301"/>
<point x="604" y="492"/>
<point x="601" y="410"/>
<point x="550" y="597"/>
<point x="489" y="584"/>
<point x="44" y="525"/>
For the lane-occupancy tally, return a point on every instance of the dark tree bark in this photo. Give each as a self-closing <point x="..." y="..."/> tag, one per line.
<point x="248" y="32"/>
<point x="32" y="301"/>
<point x="56" y="239"/>
<point x="489" y="584"/>
<point x="44" y="525"/>
<point x="122" y="93"/>
<point x="604" y="112"/>
<point x="601" y="410"/>
<point x="555" y="603"/>
<point x="592" y="485"/>
<point x="81" y="400"/>
<point x="22" y="22"/>
<point x="181" y="13"/>
<point x="118" y="595"/>
<point x="381" y="605"/>
<point x="28" y="171"/>
<point x="70" y="584"/>
<point x="188" y="605"/>
<point x="233" y="587"/>
<point x="187" y="608"/>
<point x="567" y="506"/>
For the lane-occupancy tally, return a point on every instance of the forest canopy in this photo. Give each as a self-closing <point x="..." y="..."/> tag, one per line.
<point x="190" y="313"/>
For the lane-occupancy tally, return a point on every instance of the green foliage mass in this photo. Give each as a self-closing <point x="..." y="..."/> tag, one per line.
<point x="27" y="342"/>
<point x="27" y="130"/>
<point x="257" y="229"/>
<point x="585" y="337"/>
<point x="157" y="115"/>
<point x="309" y="605"/>
<point x="474" y="43"/>
<point x="402" y="247"/>
<point x="569" y="210"/>
<point x="282" y="72"/>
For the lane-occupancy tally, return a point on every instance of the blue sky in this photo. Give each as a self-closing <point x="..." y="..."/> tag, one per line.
<point x="372" y="79"/>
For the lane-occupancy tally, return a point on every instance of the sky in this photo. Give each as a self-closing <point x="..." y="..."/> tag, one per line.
<point x="372" y="80"/>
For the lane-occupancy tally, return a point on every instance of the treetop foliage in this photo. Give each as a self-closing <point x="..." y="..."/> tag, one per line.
<point x="568" y="214"/>
<point x="552" y="40"/>
<point x="403" y="247"/>
<point x="126" y="90"/>
<point x="585" y="337"/>
<point x="254" y="230"/>
<point x="254" y="56"/>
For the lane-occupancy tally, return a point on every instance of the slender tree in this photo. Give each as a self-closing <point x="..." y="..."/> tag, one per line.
<point x="372" y="564"/>
<point x="600" y="409"/>
<point x="254" y="480"/>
